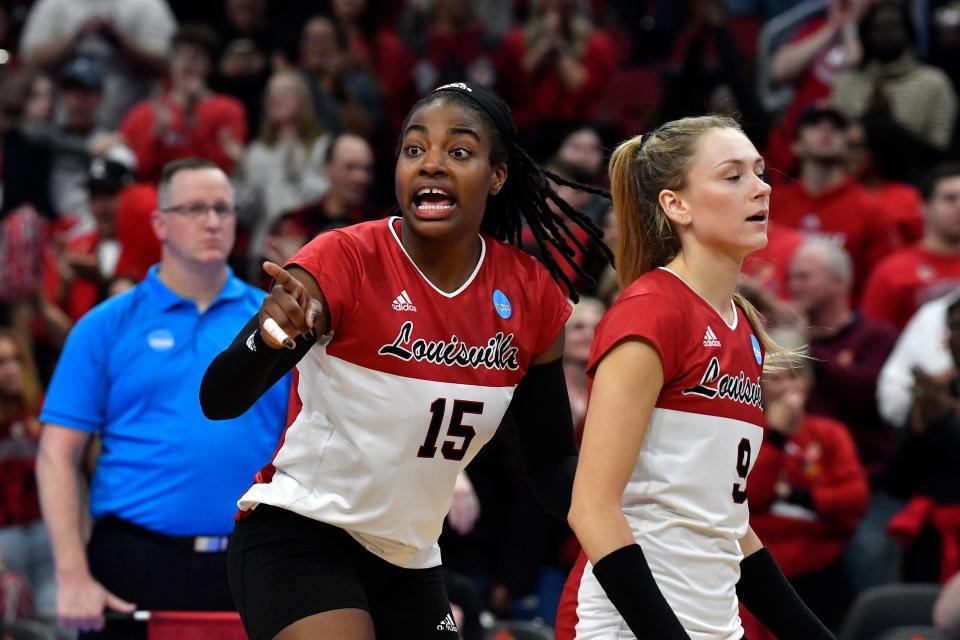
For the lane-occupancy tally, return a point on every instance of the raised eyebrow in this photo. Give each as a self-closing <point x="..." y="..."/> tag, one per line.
<point x="463" y="131"/>
<point x="415" y="126"/>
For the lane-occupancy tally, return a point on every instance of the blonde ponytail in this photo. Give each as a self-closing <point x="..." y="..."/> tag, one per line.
<point x="628" y="210"/>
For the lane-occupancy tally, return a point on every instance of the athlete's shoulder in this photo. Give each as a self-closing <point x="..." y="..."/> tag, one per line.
<point x="656" y="284"/>
<point x="358" y="241"/>
<point x="362" y="232"/>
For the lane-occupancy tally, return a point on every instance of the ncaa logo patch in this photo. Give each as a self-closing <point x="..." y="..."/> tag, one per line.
<point x="757" y="353"/>
<point x="160" y="340"/>
<point x="501" y="304"/>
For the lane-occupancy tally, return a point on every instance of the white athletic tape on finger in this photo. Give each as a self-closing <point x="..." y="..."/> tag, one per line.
<point x="273" y="329"/>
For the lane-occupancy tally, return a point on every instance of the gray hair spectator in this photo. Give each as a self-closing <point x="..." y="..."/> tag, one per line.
<point x="848" y="351"/>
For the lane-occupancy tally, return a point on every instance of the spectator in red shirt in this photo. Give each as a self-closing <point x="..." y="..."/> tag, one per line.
<point x="825" y="201"/>
<point x="873" y="160"/>
<point x="187" y="119"/>
<point x="24" y="544"/>
<point x="555" y="67"/>
<point x="848" y="351"/>
<point x="452" y="46"/>
<point x="77" y="275"/>
<point x="807" y="490"/>
<point x="928" y="269"/>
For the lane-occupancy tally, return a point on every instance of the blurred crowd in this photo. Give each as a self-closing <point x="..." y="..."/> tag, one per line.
<point x="853" y="102"/>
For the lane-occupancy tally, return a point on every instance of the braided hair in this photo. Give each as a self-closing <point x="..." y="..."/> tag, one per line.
<point x="524" y="198"/>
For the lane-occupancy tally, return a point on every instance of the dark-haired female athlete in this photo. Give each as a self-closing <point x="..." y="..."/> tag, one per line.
<point x="431" y="326"/>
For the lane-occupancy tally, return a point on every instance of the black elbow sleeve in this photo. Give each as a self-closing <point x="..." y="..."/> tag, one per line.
<point x="244" y="371"/>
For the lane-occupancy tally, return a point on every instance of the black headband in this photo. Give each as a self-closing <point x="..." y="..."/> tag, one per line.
<point x="490" y="103"/>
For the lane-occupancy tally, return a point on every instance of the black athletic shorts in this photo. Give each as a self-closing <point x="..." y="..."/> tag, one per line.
<point x="284" y="567"/>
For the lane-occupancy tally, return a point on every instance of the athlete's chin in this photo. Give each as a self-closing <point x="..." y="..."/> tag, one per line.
<point x="755" y="240"/>
<point x="434" y="225"/>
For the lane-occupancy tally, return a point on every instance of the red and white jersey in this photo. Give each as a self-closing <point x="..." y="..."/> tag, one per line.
<point x="407" y="386"/>
<point x="686" y="499"/>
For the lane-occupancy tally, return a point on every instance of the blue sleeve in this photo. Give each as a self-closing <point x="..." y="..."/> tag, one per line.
<point x="77" y="397"/>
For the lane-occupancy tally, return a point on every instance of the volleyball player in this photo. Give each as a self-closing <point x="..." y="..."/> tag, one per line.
<point x="675" y="415"/>
<point x="430" y="326"/>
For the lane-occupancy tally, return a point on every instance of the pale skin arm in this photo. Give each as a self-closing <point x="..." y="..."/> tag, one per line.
<point x="790" y="61"/>
<point x="625" y="389"/>
<point x="80" y="598"/>
<point x="750" y="543"/>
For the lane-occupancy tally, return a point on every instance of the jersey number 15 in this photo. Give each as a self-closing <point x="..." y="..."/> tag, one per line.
<point x="450" y="449"/>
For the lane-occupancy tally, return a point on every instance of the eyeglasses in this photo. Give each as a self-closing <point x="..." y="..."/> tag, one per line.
<point x="198" y="210"/>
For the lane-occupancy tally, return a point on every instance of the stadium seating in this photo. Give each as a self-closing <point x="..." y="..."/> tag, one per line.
<point x="885" y="608"/>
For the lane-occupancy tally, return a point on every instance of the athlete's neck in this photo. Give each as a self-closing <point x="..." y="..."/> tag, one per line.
<point x="201" y="283"/>
<point x="711" y="274"/>
<point x="446" y="264"/>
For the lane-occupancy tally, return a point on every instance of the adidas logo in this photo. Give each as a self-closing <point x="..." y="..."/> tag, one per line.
<point x="403" y="302"/>
<point x="447" y="624"/>
<point x="710" y="338"/>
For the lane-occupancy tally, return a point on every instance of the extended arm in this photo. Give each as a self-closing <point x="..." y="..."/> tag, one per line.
<point x="254" y="361"/>
<point x="625" y="389"/>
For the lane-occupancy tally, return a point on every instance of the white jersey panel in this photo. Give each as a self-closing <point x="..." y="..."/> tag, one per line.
<point x="343" y="463"/>
<point x="682" y="508"/>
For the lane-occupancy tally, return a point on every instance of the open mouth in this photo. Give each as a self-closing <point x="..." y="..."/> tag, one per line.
<point x="433" y="201"/>
<point x="760" y="217"/>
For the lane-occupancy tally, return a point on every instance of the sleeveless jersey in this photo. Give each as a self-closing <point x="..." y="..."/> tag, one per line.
<point x="406" y="387"/>
<point x="686" y="499"/>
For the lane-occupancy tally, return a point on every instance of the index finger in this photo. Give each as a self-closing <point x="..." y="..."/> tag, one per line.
<point x="282" y="277"/>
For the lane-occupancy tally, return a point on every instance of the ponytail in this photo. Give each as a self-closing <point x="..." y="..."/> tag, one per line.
<point x="645" y="239"/>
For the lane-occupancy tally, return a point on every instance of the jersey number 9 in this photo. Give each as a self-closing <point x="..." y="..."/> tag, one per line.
<point x="743" y="466"/>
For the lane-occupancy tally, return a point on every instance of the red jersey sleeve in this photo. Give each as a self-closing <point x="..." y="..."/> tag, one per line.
<point x="647" y="316"/>
<point x="333" y="260"/>
<point x="556" y="309"/>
